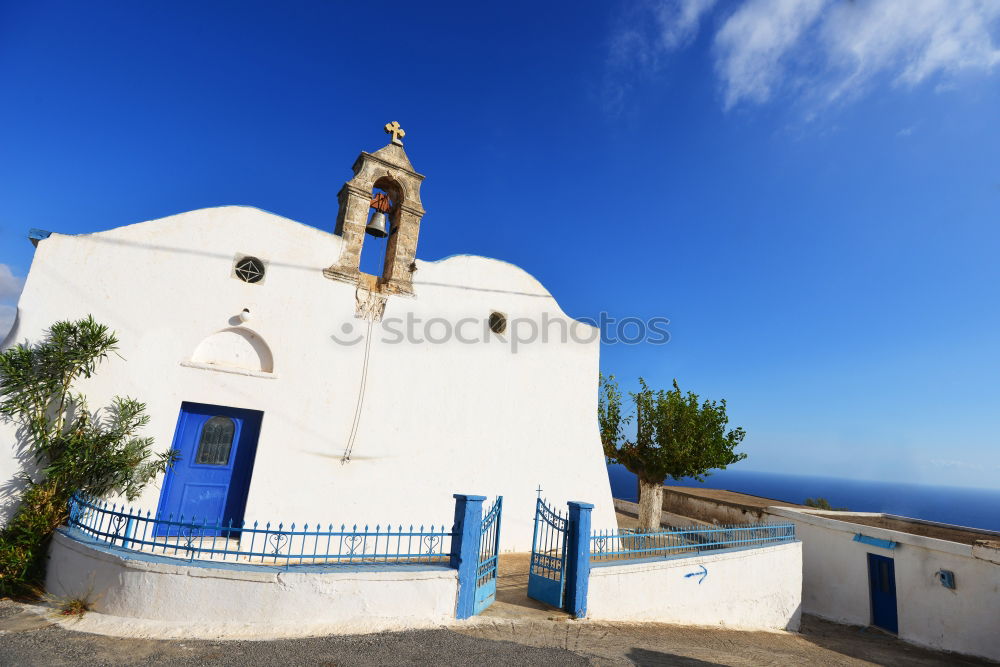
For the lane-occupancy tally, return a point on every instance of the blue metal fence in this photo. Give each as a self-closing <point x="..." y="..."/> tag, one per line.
<point x="273" y="545"/>
<point x="626" y="544"/>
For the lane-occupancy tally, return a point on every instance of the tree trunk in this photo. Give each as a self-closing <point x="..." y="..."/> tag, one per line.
<point x="650" y="506"/>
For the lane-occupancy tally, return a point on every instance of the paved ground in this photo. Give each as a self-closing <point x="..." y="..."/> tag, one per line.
<point x="27" y="640"/>
<point x="514" y="631"/>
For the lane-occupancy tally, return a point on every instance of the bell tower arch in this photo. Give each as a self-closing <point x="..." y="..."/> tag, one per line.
<point x="390" y="171"/>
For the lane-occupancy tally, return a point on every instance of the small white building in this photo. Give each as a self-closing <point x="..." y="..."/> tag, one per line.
<point x="932" y="584"/>
<point x="298" y="388"/>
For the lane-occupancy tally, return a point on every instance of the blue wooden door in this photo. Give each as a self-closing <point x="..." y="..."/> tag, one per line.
<point x="882" y="583"/>
<point x="208" y="485"/>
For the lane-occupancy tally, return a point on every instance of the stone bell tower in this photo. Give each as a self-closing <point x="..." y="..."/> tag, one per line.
<point x="387" y="169"/>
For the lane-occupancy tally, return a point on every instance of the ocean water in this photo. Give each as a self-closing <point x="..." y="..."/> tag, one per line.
<point x="978" y="508"/>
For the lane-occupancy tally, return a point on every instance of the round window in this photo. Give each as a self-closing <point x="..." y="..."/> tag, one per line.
<point x="250" y="270"/>
<point x="498" y="322"/>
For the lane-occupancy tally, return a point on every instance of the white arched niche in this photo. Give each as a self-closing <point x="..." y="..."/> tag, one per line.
<point x="235" y="350"/>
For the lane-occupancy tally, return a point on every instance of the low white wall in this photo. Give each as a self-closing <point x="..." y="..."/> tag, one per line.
<point x="835" y="583"/>
<point x="754" y="589"/>
<point x="175" y="599"/>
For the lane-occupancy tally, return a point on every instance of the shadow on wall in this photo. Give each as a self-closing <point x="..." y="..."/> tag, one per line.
<point x="8" y="326"/>
<point x="28" y="467"/>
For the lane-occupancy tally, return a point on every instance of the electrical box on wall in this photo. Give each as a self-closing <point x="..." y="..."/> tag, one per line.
<point x="947" y="578"/>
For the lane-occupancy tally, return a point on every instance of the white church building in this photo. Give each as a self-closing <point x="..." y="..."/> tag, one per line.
<point x="298" y="388"/>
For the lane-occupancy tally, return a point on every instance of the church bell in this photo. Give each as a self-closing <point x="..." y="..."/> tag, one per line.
<point x="377" y="225"/>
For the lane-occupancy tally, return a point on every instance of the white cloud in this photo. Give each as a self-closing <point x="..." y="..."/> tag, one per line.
<point x="645" y="33"/>
<point x="678" y="21"/>
<point x="10" y="285"/>
<point x="819" y="51"/>
<point x="649" y="30"/>
<point x="909" y="42"/>
<point x="754" y="43"/>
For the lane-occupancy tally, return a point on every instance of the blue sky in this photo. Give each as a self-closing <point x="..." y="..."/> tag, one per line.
<point x="808" y="190"/>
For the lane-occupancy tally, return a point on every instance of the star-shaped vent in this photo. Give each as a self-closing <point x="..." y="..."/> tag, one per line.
<point x="250" y="270"/>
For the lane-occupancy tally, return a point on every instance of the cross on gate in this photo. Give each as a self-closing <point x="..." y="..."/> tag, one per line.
<point x="539" y="490"/>
<point x="396" y="131"/>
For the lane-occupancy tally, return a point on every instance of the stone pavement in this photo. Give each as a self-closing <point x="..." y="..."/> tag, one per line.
<point x="513" y="631"/>
<point x="545" y="638"/>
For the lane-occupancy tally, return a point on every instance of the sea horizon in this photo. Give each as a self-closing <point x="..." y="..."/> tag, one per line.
<point x="962" y="506"/>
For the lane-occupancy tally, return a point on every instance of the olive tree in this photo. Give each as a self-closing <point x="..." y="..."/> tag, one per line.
<point x="99" y="453"/>
<point x="677" y="435"/>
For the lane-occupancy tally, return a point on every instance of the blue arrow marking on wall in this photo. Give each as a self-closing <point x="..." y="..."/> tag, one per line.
<point x="702" y="574"/>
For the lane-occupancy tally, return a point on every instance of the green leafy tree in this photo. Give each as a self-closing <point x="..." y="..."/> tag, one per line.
<point x="676" y="435"/>
<point x="823" y="504"/>
<point x="96" y="453"/>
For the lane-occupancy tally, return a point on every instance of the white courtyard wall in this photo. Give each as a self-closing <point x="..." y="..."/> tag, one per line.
<point x="835" y="583"/>
<point x="201" y="602"/>
<point x="437" y="419"/>
<point x="753" y="589"/>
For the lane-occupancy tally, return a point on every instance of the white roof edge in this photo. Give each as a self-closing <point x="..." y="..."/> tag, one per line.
<point x="206" y="209"/>
<point x="513" y="266"/>
<point x="807" y="516"/>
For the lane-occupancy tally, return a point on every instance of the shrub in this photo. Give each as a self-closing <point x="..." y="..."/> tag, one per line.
<point x="96" y="453"/>
<point x="823" y="504"/>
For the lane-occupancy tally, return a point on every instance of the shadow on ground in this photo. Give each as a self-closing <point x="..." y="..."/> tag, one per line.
<point x="645" y="658"/>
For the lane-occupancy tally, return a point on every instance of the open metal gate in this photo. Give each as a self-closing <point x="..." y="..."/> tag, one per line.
<point x="486" y="572"/>
<point x="547" y="574"/>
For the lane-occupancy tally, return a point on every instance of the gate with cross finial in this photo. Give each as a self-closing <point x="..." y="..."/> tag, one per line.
<point x="547" y="573"/>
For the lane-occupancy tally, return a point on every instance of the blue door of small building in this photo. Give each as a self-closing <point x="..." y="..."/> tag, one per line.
<point x="208" y="484"/>
<point x="882" y="584"/>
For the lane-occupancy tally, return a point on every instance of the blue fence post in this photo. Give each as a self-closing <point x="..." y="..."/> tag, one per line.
<point x="578" y="558"/>
<point x="465" y="550"/>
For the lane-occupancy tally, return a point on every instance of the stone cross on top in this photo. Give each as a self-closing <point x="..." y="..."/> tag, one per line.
<point x="396" y="131"/>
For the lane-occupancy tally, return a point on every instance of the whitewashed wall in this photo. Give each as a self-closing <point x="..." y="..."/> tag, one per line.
<point x="835" y="583"/>
<point x="753" y="589"/>
<point x="169" y="599"/>
<point x="437" y="419"/>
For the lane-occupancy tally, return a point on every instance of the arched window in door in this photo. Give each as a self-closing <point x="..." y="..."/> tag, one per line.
<point x="216" y="442"/>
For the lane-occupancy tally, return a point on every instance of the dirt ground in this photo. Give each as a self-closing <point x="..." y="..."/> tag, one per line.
<point x="731" y="496"/>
